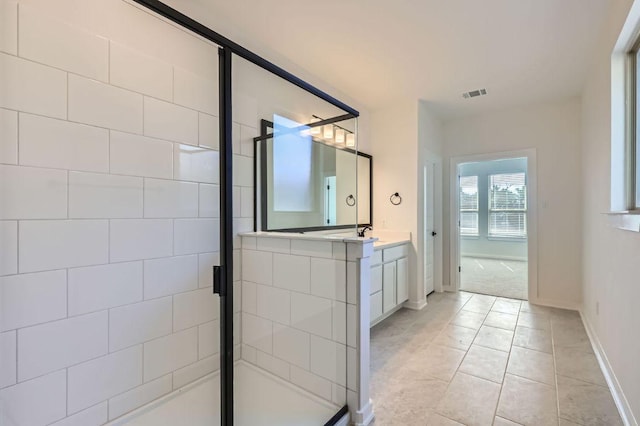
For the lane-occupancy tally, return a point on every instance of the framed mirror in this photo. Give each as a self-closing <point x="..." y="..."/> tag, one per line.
<point x="304" y="184"/>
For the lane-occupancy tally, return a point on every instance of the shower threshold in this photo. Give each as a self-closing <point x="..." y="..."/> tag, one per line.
<point x="261" y="399"/>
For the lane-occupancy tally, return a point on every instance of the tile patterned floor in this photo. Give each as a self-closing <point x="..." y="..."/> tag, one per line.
<point x="504" y="278"/>
<point x="470" y="359"/>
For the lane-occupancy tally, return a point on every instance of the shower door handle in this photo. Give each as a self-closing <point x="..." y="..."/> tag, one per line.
<point x="219" y="282"/>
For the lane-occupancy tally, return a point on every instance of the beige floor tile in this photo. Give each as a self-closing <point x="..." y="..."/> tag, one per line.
<point x="532" y="365"/>
<point x="565" y="422"/>
<point x="571" y="337"/>
<point x="495" y="338"/>
<point x="586" y="403"/>
<point x="456" y="337"/>
<point x="499" y="421"/>
<point x="440" y="362"/>
<point x="506" y="306"/>
<point x="501" y="320"/>
<point x="534" y="320"/>
<point x="531" y="338"/>
<point x="530" y="307"/>
<point x="470" y="400"/>
<point x="527" y="402"/>
<point x="579" y="365"/>
<point x="469" y="319"/>
<point x="485" y="363"/>
<point x="438" y="420"/>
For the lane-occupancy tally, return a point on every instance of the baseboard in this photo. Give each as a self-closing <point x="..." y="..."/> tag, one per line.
<point x="562" y="304"/>
<point x="416" y="306"/>
<point x="614" y="386"/>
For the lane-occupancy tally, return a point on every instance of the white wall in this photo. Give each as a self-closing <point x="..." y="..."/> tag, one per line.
<point x="611" y="271"/>
<point x="553" y="129"/>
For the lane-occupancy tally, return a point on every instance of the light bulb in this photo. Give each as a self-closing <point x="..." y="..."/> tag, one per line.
<point x="315" y="131"/>
<point x="327" y="131"/>
<point x="351" y="140"/>
<point x="340" y="135"/>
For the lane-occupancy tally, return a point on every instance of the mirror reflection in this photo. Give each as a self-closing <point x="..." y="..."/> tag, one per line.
<point x="306" y="184"/>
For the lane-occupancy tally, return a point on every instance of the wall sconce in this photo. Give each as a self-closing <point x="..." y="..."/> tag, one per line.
<point x="327" y="131"/>
<point x="351" y="140"/>
<point x="340" y="133"/>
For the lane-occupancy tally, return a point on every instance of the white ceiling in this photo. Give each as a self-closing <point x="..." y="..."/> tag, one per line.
<point x="378" y="51"/>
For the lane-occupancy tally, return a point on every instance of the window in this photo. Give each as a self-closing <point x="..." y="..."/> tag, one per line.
<point x="508" y="205"/>
<point x="469" y="205"/>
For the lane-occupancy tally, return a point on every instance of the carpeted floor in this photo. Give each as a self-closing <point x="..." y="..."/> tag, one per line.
<point x="503" y="278"/>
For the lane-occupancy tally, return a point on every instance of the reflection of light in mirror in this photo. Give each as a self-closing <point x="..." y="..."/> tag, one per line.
<point x="340" y="135"/>
<point x="195" y="164"/>
<point x="292" y="162"/>
<point x="351" y="140"/>
<point x="327" y="131"/>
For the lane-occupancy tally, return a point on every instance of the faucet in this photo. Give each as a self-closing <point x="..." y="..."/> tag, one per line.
<point x="363" y="230"/>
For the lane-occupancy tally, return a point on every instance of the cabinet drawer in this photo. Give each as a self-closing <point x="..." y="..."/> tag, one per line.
<point x="376" y="279"/>
<point x="376" y="306"/>
<point x="376" y="257"/>
<point x="394" y="253"/>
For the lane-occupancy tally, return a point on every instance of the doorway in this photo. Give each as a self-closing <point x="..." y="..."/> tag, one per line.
<point x="493" y="200"/>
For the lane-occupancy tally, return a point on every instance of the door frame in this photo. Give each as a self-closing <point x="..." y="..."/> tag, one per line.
<point x="532" y="215"/>
<point x="435" y="162"/>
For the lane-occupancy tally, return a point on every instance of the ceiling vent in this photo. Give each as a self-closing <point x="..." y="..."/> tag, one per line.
<point x="474" y="93"/>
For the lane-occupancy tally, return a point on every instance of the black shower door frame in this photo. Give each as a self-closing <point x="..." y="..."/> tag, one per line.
<point x="223" y="274"/>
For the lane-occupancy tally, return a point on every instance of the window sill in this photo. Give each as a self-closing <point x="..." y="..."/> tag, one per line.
<point x="625" y="220"/>
<point x="469" y="237"/>
<point x="514" y="239"/>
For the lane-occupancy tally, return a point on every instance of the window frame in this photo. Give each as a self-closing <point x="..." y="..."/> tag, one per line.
<point x="632" y="139"/>
<point x="491" y="210"/>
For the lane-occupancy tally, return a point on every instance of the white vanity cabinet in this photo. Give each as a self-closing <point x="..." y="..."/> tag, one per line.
<point x="389" y="281"/>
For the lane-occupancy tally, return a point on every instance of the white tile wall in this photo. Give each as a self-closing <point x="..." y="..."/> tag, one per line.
<point x="196" y="92"/>
<point x="209" y="339"/>
<point x="47" y="393"/>
<point x="196" y="236"/>
<point x="328" y="278"/>
<point x="291" y="345"/>
<point x="165" y="120"/>
<point x="93" y="416"/>
<point x="8" y="247"/>
<point x="167" y="198"/>
<point x="140" y="156"/>
<point x="170" y="275"/>
<point x="257" y="266"/>
<point x="195" y="164"/>
<point x="209" y="200"/>
<point x="92" y="102"/>
<point x="152" y="319"/>
<point x="76" y="160"/>
<point x="102" y="378"/>
<point x="247" y="145"/>
<point x="30" y="299"/>
<point x="206" y="261"/>
<point x="133" y="70"/>
<point x="257" y="332"/>
<point x="134" y="239"/>
<point x="312" y="248"/>
<point x="53" y="42"/>
<point x="97" y="196"/>
<point x="32" y="193"/>
<point x="166" y="354"/>
<point x="278" y="245"/>
<point x="274" y="304"/>
<point x="33" y="87"/>
<point x="246" y="202"/>
<point x="209" y="131"/>
<point x="59" y="144"/>
<point x="273" y="365"/>
<point x="8" y="135"/>
<point x="139" y="396"/>
<point x="194" y="307"/>
<point x="328" y="359"/>
<point x="8" y="352"/>
<point x="48" y="347"/>
<point x="95" y="288"/>
<point x="9" y="26"/>
<point x="249" y="297"/>
<point x="242" y="171"/>
<point x="55" y="244"/>
<point x="312" y="314"/>
<point x="188" y="374"/>
<point x="311" y="382"/>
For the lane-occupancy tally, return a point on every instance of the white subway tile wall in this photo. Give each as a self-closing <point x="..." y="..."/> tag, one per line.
<point x="294" y="312"/>
<point x="109" y="211"/>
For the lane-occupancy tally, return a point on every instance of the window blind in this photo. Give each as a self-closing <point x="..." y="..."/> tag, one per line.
<point x="508" y="205"/>
<point x="469" y="205"/>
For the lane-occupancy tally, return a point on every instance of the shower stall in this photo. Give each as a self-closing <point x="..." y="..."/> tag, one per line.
<point x="132" y="290"/>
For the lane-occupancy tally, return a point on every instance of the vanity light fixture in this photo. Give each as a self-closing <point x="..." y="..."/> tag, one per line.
<point x="340" y="135"/>
<point x="351" y="140"/>
<point x="315" y="131"/>
<point x="327" y="132"/>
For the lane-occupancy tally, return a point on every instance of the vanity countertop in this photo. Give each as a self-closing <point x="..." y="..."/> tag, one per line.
<point x="384" y="244"/>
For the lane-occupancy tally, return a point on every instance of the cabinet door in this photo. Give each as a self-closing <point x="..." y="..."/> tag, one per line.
<point x="402" y="283"/>
<point x="388" y="286"/>
<point x="376" y="306"/>
<point x="376" y="279"/>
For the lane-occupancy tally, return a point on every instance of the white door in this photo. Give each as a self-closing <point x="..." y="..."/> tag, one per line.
<point x="430" y="232"/>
